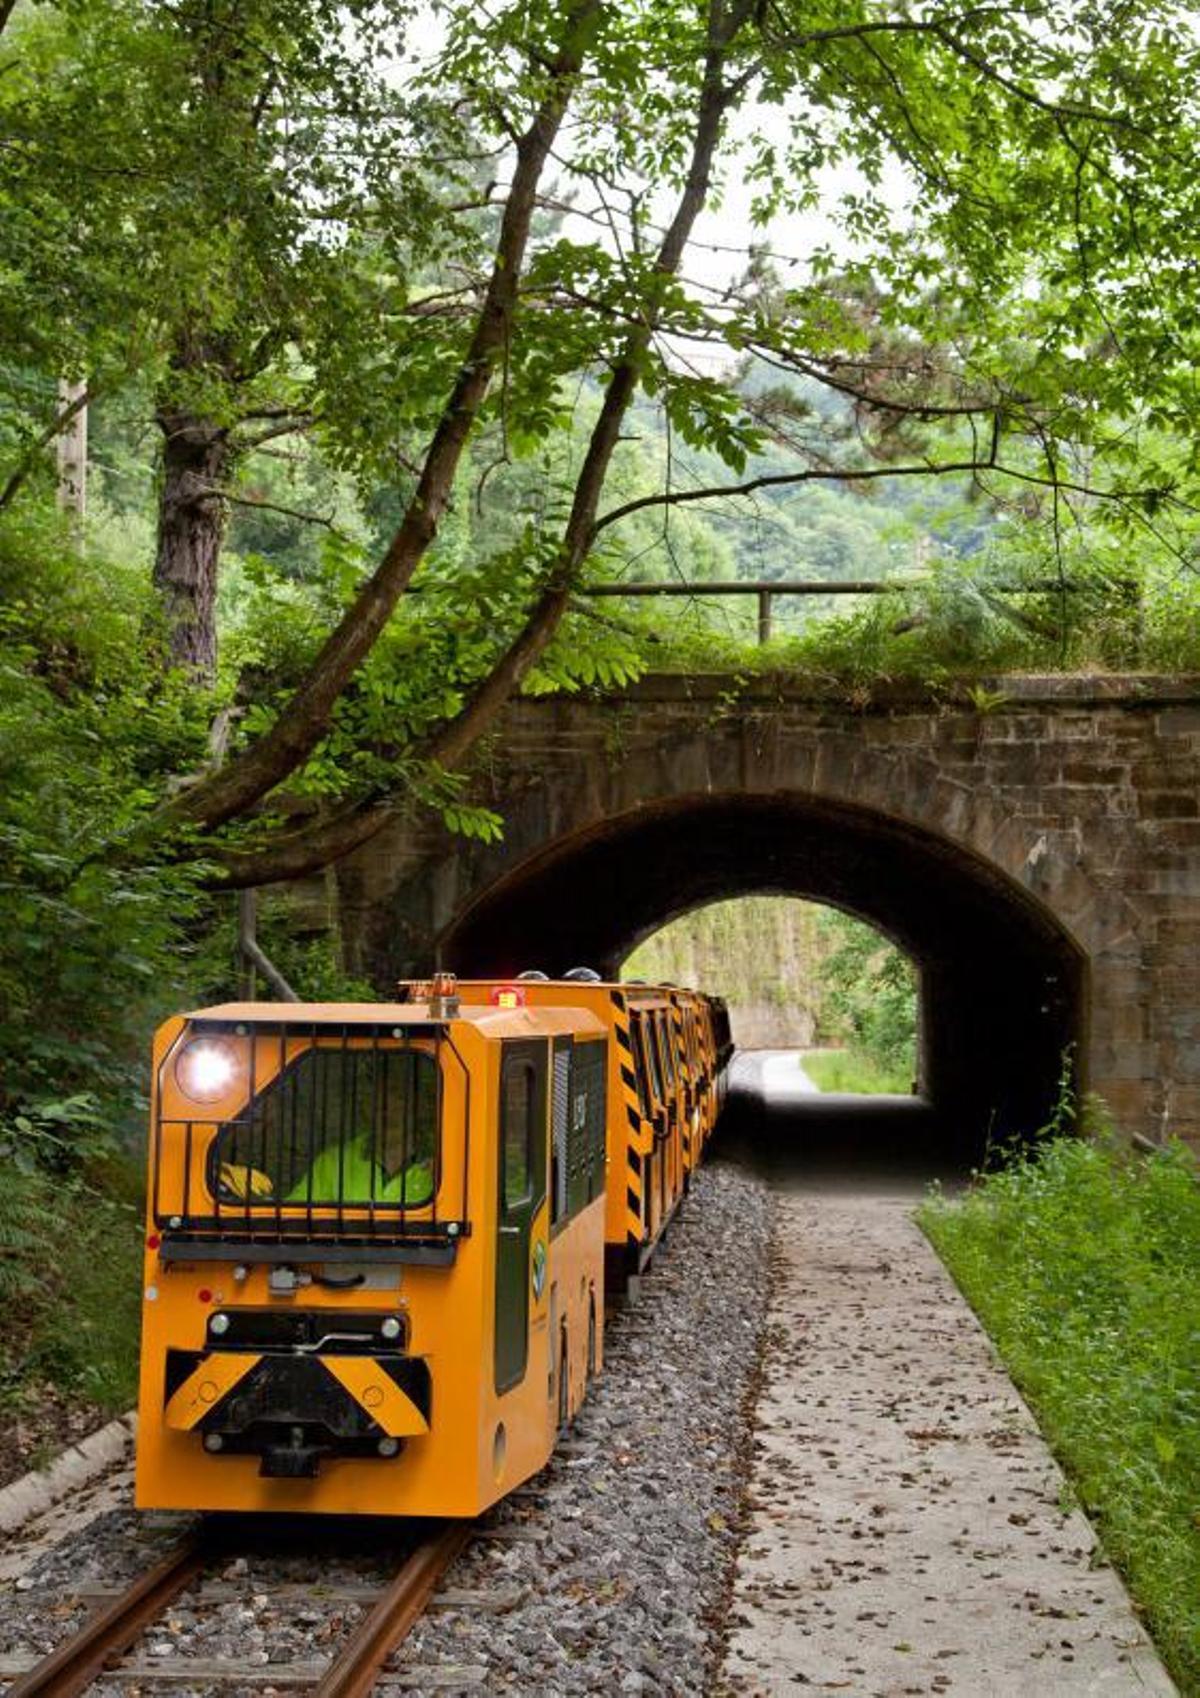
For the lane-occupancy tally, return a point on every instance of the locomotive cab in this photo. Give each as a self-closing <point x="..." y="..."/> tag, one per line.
<point x="374" y="1253"/>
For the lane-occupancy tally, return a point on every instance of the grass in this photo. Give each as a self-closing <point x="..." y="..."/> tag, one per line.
<point x="851" y="1070"/>
<point x="1082" y="1264"/>
<point x="70" y="1274"/>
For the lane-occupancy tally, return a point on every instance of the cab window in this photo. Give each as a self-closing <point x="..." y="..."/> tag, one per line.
<point x="517" y="1132"/>
<point x="338" y="1127"/>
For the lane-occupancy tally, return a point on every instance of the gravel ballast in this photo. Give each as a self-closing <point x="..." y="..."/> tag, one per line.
<point x="607" y="1573"/>
<point x="634" y="1523"/>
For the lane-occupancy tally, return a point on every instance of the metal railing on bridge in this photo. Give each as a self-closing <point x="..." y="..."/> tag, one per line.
<point x="767" y="589"/>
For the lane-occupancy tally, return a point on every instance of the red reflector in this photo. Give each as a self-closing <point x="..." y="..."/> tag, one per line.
<point x="153" y="1242"/>
<point x="204" y="1294"/>
<point x="508" y="996"/>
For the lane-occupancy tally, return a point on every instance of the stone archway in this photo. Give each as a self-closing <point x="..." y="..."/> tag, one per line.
<point x="1002" y="981"/>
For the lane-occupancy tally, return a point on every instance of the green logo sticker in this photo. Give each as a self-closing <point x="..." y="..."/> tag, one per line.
<point x="539" y="1269"/>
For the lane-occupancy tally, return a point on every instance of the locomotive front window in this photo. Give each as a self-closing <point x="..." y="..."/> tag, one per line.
<point x="338" y="1128"/>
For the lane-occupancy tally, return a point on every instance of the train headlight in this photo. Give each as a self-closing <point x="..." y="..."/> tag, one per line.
<point x="205" y="1069"/>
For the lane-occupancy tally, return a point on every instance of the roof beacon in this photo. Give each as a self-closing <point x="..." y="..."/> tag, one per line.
<point x="443" y="996"/>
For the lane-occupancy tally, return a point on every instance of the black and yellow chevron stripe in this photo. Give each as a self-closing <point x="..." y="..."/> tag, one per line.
<point x="639" y="1137"/>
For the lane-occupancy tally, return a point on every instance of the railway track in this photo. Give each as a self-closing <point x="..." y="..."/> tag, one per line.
<point x="94" y="1652"/>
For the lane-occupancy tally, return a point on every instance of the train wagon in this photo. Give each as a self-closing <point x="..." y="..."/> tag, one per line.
<point x="374" y="1253"/>
<point x="696" y="1041"/>
<point x="664" y="1095"/>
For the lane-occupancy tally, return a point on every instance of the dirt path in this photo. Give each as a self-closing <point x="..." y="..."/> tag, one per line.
<point x="909" y="1530"/>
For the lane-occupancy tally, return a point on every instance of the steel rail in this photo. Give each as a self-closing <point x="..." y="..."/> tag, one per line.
<point x="115" y="1627"/>
<point x="354" y="1668"/>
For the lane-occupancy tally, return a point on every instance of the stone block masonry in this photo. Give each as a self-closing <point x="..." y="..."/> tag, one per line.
<point x="1040" y="860"/>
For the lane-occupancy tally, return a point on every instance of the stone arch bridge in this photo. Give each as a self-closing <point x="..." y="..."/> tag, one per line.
<point x="1034" y="848"/>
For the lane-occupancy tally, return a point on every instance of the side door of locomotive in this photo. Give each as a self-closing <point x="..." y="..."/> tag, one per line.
<point x="521" y="1190"/>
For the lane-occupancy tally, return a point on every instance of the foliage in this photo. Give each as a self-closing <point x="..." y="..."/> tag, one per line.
<point x="755" y="951"/>
<point x="70" y="1275"/>
<point x="1081" y="1262"/>
<point x="93" y="951"/>
<point x="302" y="945"/>
<point x="88" y="731"/>
<point x="999" y="612"/>
<point x="869" y="994"/>
<point x="186" y="201"/>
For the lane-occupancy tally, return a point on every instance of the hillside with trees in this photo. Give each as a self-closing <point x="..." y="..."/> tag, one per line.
<point x="797" y="975"/>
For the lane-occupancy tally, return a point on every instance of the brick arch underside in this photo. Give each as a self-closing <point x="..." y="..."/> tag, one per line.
<point x="1003" y="984"/>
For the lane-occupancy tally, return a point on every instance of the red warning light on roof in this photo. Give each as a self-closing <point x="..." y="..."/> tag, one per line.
<point x="508" y="996"/>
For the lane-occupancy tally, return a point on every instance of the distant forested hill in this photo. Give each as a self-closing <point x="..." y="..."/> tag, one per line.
<point x="795" y="974"/>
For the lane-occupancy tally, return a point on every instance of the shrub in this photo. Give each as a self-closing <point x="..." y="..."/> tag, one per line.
<point x="70" y="1273"/>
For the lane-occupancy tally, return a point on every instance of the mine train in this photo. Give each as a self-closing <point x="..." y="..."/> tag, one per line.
<point x="380" y="1235"/>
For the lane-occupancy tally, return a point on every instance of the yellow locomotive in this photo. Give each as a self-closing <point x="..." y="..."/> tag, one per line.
<point x="376" y="1235"/>
<point x="356" y="1220"/>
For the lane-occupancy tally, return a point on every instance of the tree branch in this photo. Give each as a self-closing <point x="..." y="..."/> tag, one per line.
<point x="1056" y="108"/>
<point x="318" y="846"/>
<point x="306" y="850"/>
<point x="714" y="100"/>
<point x="941" y="30"/>
<point x="850" y="474"/>
<point x="209" y="493"/>
<point x="288" y="426"/>
<point x="302" y="723"/>
<point x="784" y="359"/>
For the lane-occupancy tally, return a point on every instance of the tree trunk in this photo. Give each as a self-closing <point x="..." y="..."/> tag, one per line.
<point x="197" y="458"/>
<point x="73" y="453"/>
